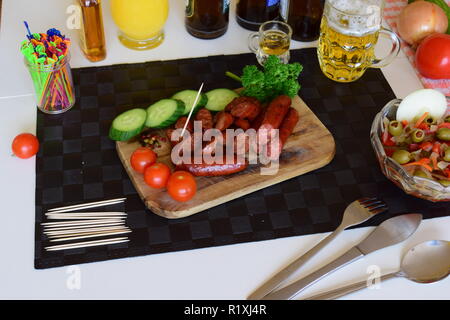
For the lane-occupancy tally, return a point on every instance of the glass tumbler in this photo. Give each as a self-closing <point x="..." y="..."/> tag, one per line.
<point x="53" y="85"/>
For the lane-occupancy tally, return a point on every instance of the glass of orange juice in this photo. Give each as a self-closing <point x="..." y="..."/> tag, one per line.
<point x="140" y="22"/>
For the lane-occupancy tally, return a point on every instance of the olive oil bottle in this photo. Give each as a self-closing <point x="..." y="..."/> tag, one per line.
<point x="92" y="34"/>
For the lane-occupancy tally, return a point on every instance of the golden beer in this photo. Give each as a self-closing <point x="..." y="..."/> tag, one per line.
<point x="273" y="38"/>
<point x="348" y="35"/>
<point x="274" y="42"/>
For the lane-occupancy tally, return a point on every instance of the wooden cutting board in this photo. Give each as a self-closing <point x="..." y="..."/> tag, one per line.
<point x="311" y="146"/>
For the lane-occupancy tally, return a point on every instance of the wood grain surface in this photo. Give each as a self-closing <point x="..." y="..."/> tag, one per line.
<point x="311" y="146"/>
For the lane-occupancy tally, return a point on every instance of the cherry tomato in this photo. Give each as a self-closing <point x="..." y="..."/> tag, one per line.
<point x="25" y="145"/>
<point x="157" y="175"/>
<point x="142" y="158"/>
<point x="433" y="56"/>
<point x="181" y="186"/>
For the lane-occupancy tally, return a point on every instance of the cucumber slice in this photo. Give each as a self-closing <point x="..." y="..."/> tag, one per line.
<point x="163" y="113"/>
<point x="188" y="97"/>
<point x="127" y="124"/>
<point x="219" y="98"/>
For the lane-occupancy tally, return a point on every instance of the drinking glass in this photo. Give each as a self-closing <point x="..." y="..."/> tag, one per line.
<point x="273" y="38"/>
<point x="349" y="32"/>
<point x="140" y="22"/>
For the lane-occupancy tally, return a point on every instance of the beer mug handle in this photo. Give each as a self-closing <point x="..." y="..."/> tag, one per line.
<point x="379" y="63"/>
<point x="251" y="42"/>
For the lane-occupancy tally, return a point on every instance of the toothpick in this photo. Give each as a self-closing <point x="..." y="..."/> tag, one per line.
<point x="192" y="109"/>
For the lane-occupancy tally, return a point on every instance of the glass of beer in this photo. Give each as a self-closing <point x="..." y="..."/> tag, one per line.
<point x="273" y="38"/>
<point x="349" y="32"/>
<point x="140" y="22"/>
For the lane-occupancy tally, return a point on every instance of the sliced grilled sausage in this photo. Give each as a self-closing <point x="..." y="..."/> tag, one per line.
<point x="223" y="120"/>
<point x="181" y="122"/>
<point x="205" y="116"/>
<point x="242" y="123"/>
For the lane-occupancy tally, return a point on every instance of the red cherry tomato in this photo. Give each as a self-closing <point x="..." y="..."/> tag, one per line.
<point x="157" y="175"/>
<point x="181" y="186"/>
<point x="433" y="56"/>
<point x="25" y="145"/>
<point x="142" y="158"/>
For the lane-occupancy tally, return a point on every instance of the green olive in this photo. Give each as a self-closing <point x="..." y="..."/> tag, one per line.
<point x="420" y="173"/>
<point x="447" y="119"/>
<point x="445" y="183"/>
<point x="417" y="136"/>
<point x="401" y="156"/>
<point x="395" y="128"/>
<point x="447" y="155"/>
<point x="430" y="120"/>
<point x="443" y="134"/>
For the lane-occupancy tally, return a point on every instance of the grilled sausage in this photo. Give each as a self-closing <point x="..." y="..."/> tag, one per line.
<point x="205" y="116"/>
<point x="275" y="113"/>
<point x="288" y="125"/>
<point x="256" y="123"/>
<point x="215" y="169"/>
<point x="223" y="120"/>
<point x="286" y="129"/>
<point x="242" y="123"/>
<point x="244" y="107"/>
<point x="239" y="100"/>
<point x="181" y="122"/>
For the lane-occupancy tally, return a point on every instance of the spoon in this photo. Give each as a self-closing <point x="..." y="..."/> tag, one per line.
<point x="427" y="262"/>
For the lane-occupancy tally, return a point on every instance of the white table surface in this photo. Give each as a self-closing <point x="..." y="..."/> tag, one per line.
<point x="227" y="272"/>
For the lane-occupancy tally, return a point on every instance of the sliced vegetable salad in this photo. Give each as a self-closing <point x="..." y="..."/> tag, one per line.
<point x="421" y="146"/>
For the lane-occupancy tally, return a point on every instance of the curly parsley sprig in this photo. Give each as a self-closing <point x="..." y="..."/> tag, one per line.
<point x="275" y="79"/>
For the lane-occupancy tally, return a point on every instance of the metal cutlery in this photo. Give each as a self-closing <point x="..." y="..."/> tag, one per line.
<point x="357" y="212"/>
<point x="426" y="262"/>
<point x="388" y="233"/>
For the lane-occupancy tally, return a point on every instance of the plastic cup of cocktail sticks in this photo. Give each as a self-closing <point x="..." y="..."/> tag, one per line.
<point x="47" y="60"/>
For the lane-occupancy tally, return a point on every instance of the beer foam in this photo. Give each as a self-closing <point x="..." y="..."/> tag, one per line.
<point x="355" y="17"/>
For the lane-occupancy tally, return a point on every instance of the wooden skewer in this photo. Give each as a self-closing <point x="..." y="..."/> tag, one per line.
<point x="90" y="236"/>
<point x="64" y="232"/>
<point x="192" y="109"/>
<point x="85" y="244"/>
<point x="77" y="222"/>
<point x="67" y="228"/>
<point x="57" y="217"/>
<point x="86" y="214"/>
<point x="89" y="205"/>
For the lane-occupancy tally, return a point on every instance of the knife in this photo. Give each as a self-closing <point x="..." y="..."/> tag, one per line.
<point x="388" y="233"/>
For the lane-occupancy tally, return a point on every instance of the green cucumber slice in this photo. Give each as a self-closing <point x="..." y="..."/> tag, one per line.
<point x="127" y="124"/>
<point x="219" y="98"/>
<point x="188" y="97"/>
<point x="163" y="113"/>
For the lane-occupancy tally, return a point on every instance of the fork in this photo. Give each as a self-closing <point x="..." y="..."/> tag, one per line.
<point x="356" y="213"/>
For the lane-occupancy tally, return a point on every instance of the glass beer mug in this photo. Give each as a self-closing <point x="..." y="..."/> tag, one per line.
<point x="348" y="34"/>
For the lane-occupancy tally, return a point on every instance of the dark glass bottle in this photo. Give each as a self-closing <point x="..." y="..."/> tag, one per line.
<point x="250" y="14"/>
<point x="304" y="17"/>
<point x="207" y="19"/>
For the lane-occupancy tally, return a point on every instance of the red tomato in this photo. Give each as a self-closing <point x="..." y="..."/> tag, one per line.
<point x="181" y="186"/>
<point x="433" y="56"/>
<point x="156" y="175"/>
<point x="142" y="158"/>
<point x="25" y="145"/>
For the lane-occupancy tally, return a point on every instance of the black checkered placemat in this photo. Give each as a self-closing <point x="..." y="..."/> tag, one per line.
<point x="78" y="163"/>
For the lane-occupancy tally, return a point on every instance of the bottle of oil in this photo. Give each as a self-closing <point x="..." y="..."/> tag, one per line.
<point x="207" y="19"/>
<point x="92" y="35"/>
<point x="250" y="14"/>
<point x="304" y="17"/>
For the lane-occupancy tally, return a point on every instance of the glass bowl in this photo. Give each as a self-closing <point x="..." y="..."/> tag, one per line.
<point x="416" y="186"/>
